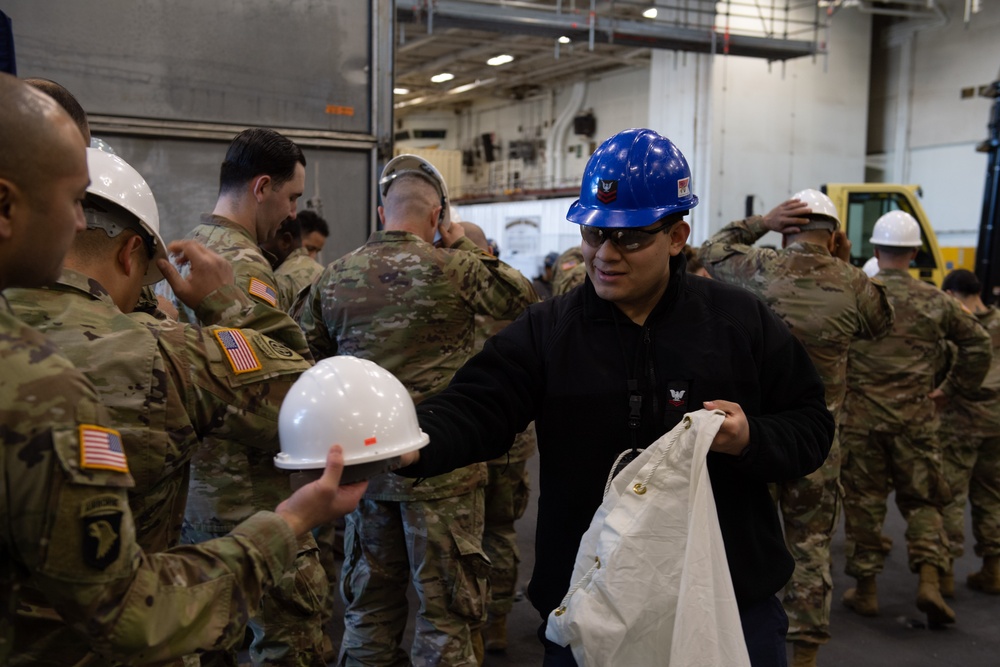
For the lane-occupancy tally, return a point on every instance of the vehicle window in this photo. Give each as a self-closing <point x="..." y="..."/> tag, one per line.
<point x="863" y="210"/>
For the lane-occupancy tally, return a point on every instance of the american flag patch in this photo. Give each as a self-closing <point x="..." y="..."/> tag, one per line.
<point x="263" y="291"/>
<point x="238" y="350"/>
<point x="101" y="448"/>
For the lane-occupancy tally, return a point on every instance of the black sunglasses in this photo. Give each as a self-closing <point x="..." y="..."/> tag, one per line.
<point x="625" y="239"/>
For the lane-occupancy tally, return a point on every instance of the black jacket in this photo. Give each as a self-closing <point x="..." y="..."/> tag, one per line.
<point x="569" y="362"/>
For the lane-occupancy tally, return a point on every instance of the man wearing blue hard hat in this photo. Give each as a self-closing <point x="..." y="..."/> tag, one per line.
<point x="615" y="364"/>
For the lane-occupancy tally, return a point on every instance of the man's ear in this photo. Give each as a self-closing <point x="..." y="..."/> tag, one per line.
<point x="679" y="234"/>
<point x="259" y="184"/>
<point x="127" y="258"/>
<point x="9" y="195"/>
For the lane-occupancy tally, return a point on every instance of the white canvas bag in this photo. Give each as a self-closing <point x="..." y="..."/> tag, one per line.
<point x="651" y="580"/>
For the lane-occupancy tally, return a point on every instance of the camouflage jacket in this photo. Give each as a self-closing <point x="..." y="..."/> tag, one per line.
<point x="525" y="443"/>
<point x="297" y="272"/>
<point x="68" y="538"/>
<point x="569" y="271"/>
<point x="888" y="381"/>
<point x="978" y="416"/>
<point x="410" y="307"/>
<point x="826" y="302"/>
<point x="252" y="270"/>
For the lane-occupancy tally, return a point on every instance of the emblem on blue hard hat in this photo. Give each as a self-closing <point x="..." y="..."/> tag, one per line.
<point x="607" y="191"/>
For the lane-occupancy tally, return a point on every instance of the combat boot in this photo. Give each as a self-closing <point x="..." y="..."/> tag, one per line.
<point x="495" y="634"/>
<point x="863" y="599"/>
<point x="948" y="581"/>
<point x="804" y="654"/>
<point x="929" y="598"/>
<point x="477" y="646"/>
<point x="987" y="580"/>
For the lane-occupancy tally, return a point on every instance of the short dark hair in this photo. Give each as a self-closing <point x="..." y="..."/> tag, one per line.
<point x="895" y="251"/>
<point x="66" y="100"/>
<point x="291" y="226"/>
<point x="259" y="151"/>
<point x="311" y="222"/>
<point x="962" y="281"/>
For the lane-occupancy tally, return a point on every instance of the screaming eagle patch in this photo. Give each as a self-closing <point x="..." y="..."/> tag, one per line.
<point x="101" y="525"/>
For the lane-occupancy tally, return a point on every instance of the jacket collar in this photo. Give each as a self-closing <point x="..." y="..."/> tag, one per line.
<point x="74" y="281"/>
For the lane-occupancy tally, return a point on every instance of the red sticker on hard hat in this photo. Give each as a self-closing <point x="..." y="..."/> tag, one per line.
<point x="607" y="191"/>
<point x="370" y="441"/>
<point x="684" y="187"/>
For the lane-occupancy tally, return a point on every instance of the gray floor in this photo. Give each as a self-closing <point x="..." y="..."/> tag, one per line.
<point x="896" y="637"/>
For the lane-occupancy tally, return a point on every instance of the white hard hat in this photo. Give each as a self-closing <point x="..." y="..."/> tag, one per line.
<point x="351" y="402"/>
<point x="871" y="267"/>
<point x="114" y="180"/>
<point x="414" y="164"/>
<point x="823" y="213"/>
<point x="898" y="229"/>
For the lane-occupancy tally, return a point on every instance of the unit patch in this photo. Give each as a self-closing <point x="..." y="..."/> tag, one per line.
<point x="607" y="191"/>
<point x="101" y="526"/>
<point x="241" y="356"/>
<point x="274" y="349"/>
<point x="263" y="291"/>
<point x="101" y="449"/>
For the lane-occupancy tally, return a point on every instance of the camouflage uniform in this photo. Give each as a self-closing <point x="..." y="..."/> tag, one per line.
<point x="970" y="440"/>
<point x="826" y="303"/>
<point x="569" y="271"/>
<point x="68" y="538"/>
<point x="230" y="481"/>
<point x="166" y="385"/>
<point x="409" y="307"/>
<point x="890" y="427"/>
<point x="293" y="275"/>
<point x="507" y="493"/>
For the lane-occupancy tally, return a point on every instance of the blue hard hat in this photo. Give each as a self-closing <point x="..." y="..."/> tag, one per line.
<point x="635" y="178"/>
<point x="550" y="259"/>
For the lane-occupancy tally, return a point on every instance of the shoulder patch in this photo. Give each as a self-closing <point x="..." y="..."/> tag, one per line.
<point x="263" y="291"/>
<point x="101" y="449"/>
<point x="101" y="527"/>
<point x="274" y="349"/>
<point x="241" y="356"/>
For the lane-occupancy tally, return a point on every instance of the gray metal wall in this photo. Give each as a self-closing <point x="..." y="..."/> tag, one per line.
<point x="168" y="84"/>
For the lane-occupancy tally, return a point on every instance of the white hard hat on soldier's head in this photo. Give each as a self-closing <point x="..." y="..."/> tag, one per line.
<point x="351" y="402"/>
<point x="114" y="180"/>
<point x="414" y="164"/>
<point x="897" y="229"/>
<point x="822" y="212"/>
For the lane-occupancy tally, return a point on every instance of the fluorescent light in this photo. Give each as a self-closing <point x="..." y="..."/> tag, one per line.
<point x="564" y="40"/>
<point x="650" y="13"/>
<point x="442" y="77"/>
<point x="401" y="91"/>
<point x="502" y="59"/>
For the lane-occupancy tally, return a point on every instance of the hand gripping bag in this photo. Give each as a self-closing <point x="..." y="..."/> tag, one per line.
<point x="651" y="580"/>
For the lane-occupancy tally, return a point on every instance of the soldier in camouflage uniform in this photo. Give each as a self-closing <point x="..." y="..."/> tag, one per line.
<point x="827" y="303"/>
<point x="167" y="384"/>
<point x="408" y="306"/>
<point x="569" y="271"/>
<point x="262" y="177"/>
<point x="970" y="439"/>
<point x="294" y="268"/>
<point x="890" y="426"/>
<point x="67" y="531"/>
<point x="506" y="493"/>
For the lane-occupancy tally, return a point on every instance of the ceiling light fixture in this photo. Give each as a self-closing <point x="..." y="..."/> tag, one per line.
<point x="401" y="91"/>
<point x="564" y="40"/>
<point x="442" y="77"/>
<point x="502" y="59"/>
<point x="650" y="13"/>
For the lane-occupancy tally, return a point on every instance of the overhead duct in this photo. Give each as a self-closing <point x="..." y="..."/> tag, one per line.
<point x="555" y="160"/>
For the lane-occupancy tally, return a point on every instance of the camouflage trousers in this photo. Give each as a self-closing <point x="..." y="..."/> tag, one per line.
<point x="809" y="508"/>
<point x="972" y="467"/>
<point x="506" y="500"/>
<point x="436" y="545"/>
<point x="288" y="626"/>
<point x="876" y="463"/>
